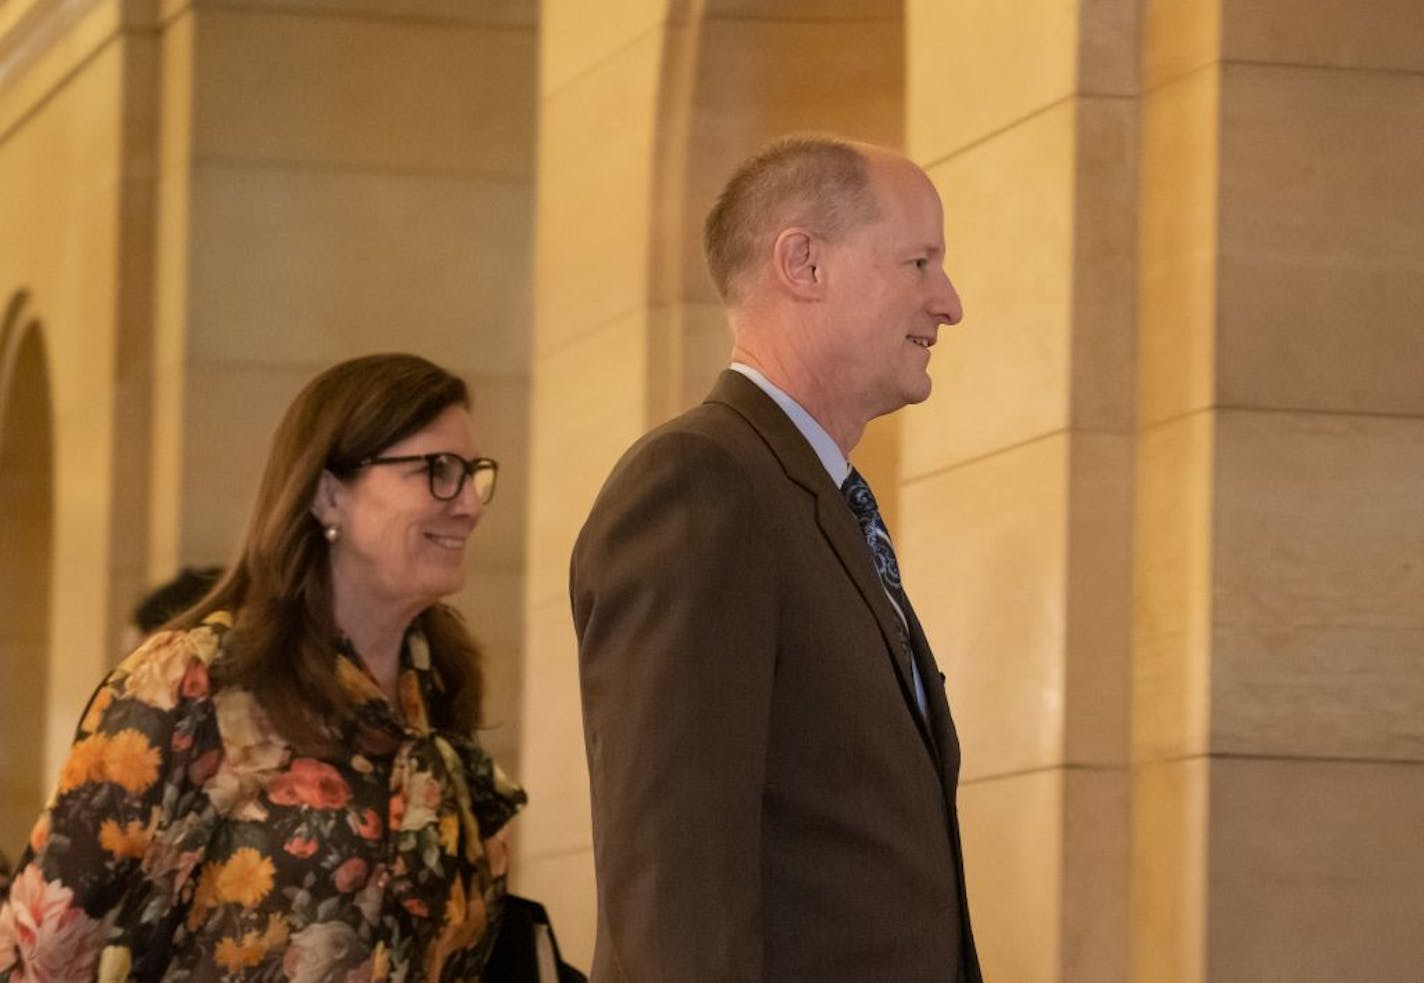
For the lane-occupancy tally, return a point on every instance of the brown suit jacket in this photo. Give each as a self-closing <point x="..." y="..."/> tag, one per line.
<point x="767" y="804"/>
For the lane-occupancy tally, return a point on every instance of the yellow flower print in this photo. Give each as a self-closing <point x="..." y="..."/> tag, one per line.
<point x="380" y="963"/>
<point x="85" y="762"/>
<point x="449" y="832"/>
<point x="356" y="683"/>
<point x="129" y="841"/>
<point x="412" y="707"/>
<point x="114" y="964"/>
<point x="234" y="955"/>
<point x="246" y="878"/>
<point x="131" y="761"/>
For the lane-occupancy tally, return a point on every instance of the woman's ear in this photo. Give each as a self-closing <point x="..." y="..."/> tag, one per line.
<point x="794" y="257"/>
<point x="326" y="504"/>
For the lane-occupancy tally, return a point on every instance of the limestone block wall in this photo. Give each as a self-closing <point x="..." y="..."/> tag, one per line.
<point x="1017" y="474"/>
<point x="76" y="151"/>
<point x="338" y="179"/>
<point x="1278" y="700"/>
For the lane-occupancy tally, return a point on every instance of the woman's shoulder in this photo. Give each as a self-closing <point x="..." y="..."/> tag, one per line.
<point x="172" y="665"/>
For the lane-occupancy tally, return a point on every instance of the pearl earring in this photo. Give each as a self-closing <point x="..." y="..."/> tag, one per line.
<point x="332" y="533"/>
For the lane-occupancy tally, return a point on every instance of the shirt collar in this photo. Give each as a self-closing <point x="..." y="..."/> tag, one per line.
<point x="830" y="455"/>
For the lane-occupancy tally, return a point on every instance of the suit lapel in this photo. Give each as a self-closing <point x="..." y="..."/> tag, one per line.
<point x="840" y="529"/>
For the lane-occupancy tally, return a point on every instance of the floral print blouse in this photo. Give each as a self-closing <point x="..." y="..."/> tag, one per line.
<point x="186" y="842"/>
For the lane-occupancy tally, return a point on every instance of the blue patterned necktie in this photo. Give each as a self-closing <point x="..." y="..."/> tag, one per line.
<point x="862" y="503"/>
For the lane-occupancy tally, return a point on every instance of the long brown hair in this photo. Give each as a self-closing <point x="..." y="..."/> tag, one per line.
<point x="282" y="643"/>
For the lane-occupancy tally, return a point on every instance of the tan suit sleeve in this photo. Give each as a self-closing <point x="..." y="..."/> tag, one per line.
<point x="673" y="585"/>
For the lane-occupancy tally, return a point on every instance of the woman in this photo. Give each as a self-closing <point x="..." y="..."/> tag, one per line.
<point x="286" y="784"/>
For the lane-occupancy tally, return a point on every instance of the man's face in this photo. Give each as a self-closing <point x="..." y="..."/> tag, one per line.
<point x="887" y="294"/>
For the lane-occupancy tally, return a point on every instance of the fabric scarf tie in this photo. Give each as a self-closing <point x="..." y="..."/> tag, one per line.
<point x="862" y="503"/>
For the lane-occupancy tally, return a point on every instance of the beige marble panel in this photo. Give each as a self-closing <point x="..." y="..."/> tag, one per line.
<point x="976" y="67"/>
<point x="1316" y="871"/>
<point x="1170" y="836"/>
<point x="1322" y="239"/>
<point x="564" y="884"/>
<point x="230" y="410"/>
<point x="816" y="10"/>
<point x="821" y="75"/>
<point x="1178" y="251"/>
<point x="302" y="266"/>
<point x="501" y="412"/>
<point x="175" y="96"/>
<point x="433" y="97"/>
<point x="1373" y="34"/>
<point x="1012" y="829"/>
<point x="587" y="407"/>
<point x="1002" y="375"/>
<point x="1096" y="850"/>
<point x="554" y="767"/>
<point x="1105" y="245"/>
<point x="577" y="38"/>
<point x="1172" y="590"/>
<point x="1109" y="47"/>
<point x="1098" y="600"/>
<point x="983" y="547"/>
<point x="595" y="198"/>
<point x="1179" y="37"/>
<point x="1316" y="595"/>
<point x="492" y="602"/>
<point x="506" y="13"/>
<point x="47" y="65"/>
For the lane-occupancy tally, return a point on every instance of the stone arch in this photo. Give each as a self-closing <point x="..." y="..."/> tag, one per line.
<point x="733" y="78"/>
<point x="26" y="544"/>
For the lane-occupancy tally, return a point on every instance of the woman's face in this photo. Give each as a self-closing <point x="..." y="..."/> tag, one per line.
<point x="399" y="545"/>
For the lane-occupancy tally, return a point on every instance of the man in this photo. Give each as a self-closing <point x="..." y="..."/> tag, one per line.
<point x="772" y="760"/>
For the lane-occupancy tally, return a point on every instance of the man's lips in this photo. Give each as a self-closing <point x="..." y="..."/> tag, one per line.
<point x="447" y="542"/>
<point x="923" y="341"/>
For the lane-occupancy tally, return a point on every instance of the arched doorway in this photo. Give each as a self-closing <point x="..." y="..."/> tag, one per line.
<point x="26" y="542"/>
<point x="734" y="78"/>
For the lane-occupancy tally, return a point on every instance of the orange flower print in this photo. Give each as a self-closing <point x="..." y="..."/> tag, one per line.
<point x="300" y="846"/>
<point x="97" y="706"/>
<point x="369" y="827"/>
<point x="246" y="878"/>
<point x="312" y="783"/>
<point x="416" y="907"/>
<point x="129" y="841"/>
<point x="350" y="875"/>
<point x="39" y="835"/>
<point x="85" y="763"/>
<point x="131" y="761"/>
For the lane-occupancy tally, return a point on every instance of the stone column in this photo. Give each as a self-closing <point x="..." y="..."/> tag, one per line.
<point x="1278" y="705"/>
<point x="1017" y="474"/>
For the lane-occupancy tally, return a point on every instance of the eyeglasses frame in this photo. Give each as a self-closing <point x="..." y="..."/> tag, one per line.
<point x="471" y="465"/>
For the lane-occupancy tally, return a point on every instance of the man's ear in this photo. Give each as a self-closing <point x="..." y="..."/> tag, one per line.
<point x="795" y="255"/>
<point x="326" y="504"/>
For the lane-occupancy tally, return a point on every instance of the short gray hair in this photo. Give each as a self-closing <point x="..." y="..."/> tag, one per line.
<point x="820" y="182"/>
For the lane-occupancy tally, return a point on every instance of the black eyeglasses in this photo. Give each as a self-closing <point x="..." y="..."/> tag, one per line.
<point x="447" y="472"/>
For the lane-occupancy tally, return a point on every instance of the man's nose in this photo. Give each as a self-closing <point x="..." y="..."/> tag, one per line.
<point x="945" y="304"/>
